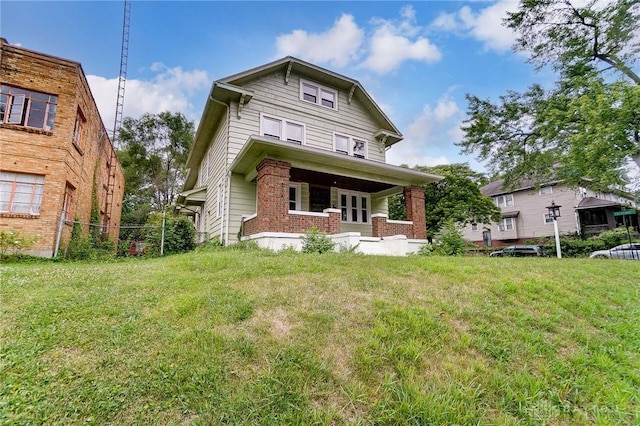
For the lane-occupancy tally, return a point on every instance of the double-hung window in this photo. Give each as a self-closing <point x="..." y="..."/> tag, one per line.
<point x="294" y="196"/>
<point x="506" y="224"/>
<point x="354" y="207"/>
<point x="282" y="129"/>
<point x="349" y="145"/>
<point x="21" y="193"/>
<point x="319" y="95"/>
<point x="504" y="200"/>
<point x="27" y="108"/>
<point x="548" y="218"/>
<point x="546" y="190"/>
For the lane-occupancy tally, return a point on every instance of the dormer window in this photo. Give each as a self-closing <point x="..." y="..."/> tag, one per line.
<point x="319" y="95"/>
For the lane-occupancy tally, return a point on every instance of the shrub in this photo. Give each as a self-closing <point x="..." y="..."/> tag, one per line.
<point x="449" y="241"/>
<point x="614" y="237"/>
<point x="315" y="241"/>
<point x="179" y="234"/>
<point x="13" y="241"/>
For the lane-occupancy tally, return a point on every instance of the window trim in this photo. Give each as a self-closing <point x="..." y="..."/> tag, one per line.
<point x="318" y="89"/>
<point x="504" y="227"/>
<point x="283" y="128"/>
<point x="358" y="207"/>
<point x="550" y="188"/>
<point x="546" y="216"/>
<point x="298" y="198"/>
<point x="78" y="127"/>
<point x="350" y="142"/>
<point x="37" y="190"/>
<point x="504" y="197"/>
<point x="26" y="108"/>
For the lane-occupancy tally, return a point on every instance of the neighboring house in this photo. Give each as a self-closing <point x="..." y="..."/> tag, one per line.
<point x="54" y="151"/>
<point x="290" y="146"/>
<point x="525" y="215"/>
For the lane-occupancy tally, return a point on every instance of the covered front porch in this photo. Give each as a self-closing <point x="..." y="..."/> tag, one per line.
<point x="298" y="188"/>
<point x="597" y="215"/>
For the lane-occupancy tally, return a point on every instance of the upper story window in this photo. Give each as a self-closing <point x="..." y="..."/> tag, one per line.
<point x="27" y="108"/>
<point x="349" y="145"/>
<point x="546" y="190"/>
<point x="279" y="128"/>
<point x="77" y="130"/>
<point x="504" y="200"/>
<point x="506" y="224"/>
<point x="21" y="193"/>
<point x="319" y="95"/>
<point x="354" y="207"/>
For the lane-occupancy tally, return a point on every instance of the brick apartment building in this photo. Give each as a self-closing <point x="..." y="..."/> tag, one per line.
<point x="54" y="151"/>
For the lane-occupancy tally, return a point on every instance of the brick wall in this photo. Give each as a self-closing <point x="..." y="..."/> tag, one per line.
<point x="414" y="202"/>
<point x="53" y="154"/>
<point x="273" y="195"/>
<point x="381" y="227"/>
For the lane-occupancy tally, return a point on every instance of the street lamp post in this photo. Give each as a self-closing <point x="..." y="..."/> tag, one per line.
<point x="554" y="212"/>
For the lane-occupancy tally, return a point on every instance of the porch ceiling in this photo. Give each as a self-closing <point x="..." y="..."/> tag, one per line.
<point x="326" y="164"/>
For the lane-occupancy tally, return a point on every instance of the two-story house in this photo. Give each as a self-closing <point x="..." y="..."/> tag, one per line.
<point x="525" y="215"/>
<point x="289" y="146"/>
<point x="54" y="151"/>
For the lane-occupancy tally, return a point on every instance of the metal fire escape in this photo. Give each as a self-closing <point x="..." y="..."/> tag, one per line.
<point x="113" y="162"/>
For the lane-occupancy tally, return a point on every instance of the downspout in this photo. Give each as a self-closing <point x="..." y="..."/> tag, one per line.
<point x="225" y="216"/>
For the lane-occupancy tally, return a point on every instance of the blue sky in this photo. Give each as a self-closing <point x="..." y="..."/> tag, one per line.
<point x="416" y="59"/>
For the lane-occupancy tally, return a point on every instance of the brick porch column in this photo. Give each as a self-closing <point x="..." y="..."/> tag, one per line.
<point x="414" y="202"/>
<point x="379" y="225"/>
<point x="273" y="195"/>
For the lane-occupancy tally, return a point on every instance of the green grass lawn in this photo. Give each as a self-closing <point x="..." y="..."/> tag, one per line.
<point x="233" y="337"/>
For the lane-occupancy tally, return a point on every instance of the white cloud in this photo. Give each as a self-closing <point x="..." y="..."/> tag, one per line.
<point x="485" y="25"/>
<point x="394" y="42"/>
<point x="338" y="46"/>
<point x="170" y="89"/>
<point x="431" y="137"/>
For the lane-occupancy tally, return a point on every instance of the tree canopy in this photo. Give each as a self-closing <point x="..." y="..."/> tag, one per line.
<point x="153" y="154"/>
<point x="588" y="124"/>
<point x="456" y="198"/>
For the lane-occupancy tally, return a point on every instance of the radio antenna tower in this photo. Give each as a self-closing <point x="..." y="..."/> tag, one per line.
<point x="111" y="180"/>
<point x="122" y="79"/>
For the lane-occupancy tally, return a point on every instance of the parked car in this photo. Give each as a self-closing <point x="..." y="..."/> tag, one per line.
<point x="624" y="251"/>
<point x="519" y="251"/>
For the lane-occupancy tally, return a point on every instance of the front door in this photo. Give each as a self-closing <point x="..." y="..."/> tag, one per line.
<point x="486" y="237"/>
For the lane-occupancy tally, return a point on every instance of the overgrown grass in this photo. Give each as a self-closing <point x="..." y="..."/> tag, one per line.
<point x="250" y="337"/>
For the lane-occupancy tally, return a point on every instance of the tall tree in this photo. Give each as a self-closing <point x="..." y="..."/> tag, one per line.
<point x="153" y="153"/>
<point x="456" y="198"/>
<point x="588" y="125"/>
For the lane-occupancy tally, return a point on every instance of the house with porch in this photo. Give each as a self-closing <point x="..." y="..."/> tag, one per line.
<point x="290" y="146"/>
<point x="525" y="215"/>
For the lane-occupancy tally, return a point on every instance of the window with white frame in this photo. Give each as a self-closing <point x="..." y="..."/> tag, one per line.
<point x="27" y="108"/>
<point x="546" y="190"/>
<point x="21" y="193"/>
<point x="474" y="226"/>
<point x="548" y="218"/>
<point x="506" y="224"/>
<point x="279" y="128"/>
<point x="349" y="145"/>
<point x="294" y="197"/>
<point x="354" y="207"/>
<point x="319" y="95"/>
<point x="504" y="200"/>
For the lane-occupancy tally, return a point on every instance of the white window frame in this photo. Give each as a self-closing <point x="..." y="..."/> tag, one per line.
<point x="9" y="195"/>
<point x="351" y="140"/>
<point x="359" y="208"/>
<point x="547" y="219"/>
<point x="505" y="200"/>
<point x="283" y="128"/>
<point x="545" y="190"/>
<point x="506" y="224"/>
<point x="298" y="198"/>
<point x="319" y="89"/>
<point x="29" y="100"/>
<point x="474" y="226"/>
